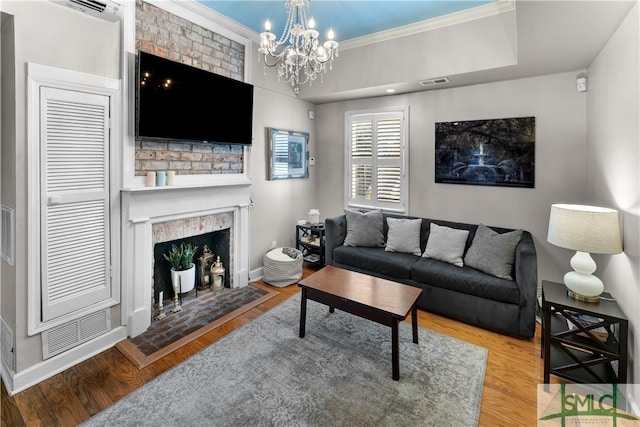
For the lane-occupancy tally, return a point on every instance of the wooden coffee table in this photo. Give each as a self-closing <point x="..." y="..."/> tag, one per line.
<point x="379" y="300"/>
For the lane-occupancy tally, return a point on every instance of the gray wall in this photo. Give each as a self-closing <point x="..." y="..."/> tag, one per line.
<point x="47" y="34"/>
<point x="53" y="35"/>
<point x="278" y="204"/>
<point x="560" y="155"/>
<point x="613" y="162"/>
<point x="7" y="154"/>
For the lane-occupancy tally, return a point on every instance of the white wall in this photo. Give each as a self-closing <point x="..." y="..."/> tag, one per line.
<point x="613" y="162"/>
<point x="559" y="155"/>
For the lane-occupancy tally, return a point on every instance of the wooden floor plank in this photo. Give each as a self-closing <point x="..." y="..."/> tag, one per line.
<point x="35" y="408"/>
<point x="514" y="368"/>
<point x="9" y="409"/>
<point x="67" y="407"/>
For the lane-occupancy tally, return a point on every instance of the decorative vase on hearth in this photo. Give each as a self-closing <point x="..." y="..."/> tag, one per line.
<point x="183" y="270"/>
<point x="184" y="281"/>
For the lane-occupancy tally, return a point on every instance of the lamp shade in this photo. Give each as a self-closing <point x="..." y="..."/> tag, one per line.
<point x="585" y="228"/>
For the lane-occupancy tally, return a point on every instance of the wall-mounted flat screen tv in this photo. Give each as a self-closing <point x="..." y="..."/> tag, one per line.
<point x="186" y="104"/>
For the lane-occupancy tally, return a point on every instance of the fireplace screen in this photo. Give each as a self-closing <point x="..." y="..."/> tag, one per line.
<point x="218" y="242"/>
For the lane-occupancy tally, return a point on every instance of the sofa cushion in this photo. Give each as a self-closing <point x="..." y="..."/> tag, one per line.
<point x="364" y="229"/>
<point x="394" y="264"/>
<point x="493" y="252"/>
<point x="403" y="235"/>
<point x="446" y="244"/>
<point x="464" y="279"/>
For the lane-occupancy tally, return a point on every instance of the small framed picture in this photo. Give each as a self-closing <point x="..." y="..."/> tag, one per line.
<point x="287" y="154"/>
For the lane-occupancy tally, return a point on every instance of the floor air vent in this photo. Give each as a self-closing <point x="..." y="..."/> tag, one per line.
<point x="72" y="334"/>
<point x="432" y="82"/>
<point x="7" y="234"/>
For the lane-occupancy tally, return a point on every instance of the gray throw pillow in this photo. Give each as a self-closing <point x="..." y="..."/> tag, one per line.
<point x="364" y="229"/>
<point x="492" y="252"/>
<point x="446" y="244"/>
<point x="404" y="235"/>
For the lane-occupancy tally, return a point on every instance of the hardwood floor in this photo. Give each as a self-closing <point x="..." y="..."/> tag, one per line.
<point x="514" y="368"/>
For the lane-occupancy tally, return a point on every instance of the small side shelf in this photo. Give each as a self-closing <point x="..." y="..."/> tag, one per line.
<point x="310" y="241"/>
<point x="582" y="342"/>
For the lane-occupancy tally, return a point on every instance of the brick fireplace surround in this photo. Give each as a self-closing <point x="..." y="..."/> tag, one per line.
<point x="224" y="203"/>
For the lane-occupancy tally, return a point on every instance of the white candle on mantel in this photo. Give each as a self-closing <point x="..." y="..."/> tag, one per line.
<point x="206" y="280"/>
<point x="217" y="281"/>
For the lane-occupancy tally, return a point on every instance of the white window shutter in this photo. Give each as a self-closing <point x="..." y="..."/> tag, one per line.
<point x="377" y="160"/>
<point x="74" y="160"/>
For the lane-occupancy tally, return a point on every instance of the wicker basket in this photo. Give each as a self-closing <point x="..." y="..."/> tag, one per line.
<point x="282" y="269"/>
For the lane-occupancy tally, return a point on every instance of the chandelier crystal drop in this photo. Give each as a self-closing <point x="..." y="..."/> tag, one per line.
<point x="298" y="54"/>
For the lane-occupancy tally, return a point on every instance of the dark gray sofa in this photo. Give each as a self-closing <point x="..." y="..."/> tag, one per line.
<point x="461" y="293"/>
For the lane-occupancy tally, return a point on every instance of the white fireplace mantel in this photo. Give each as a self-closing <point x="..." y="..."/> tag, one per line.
<point x="143" y="207"/>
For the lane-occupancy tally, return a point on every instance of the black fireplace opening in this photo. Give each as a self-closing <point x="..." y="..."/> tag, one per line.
<point x="218" y="243"/>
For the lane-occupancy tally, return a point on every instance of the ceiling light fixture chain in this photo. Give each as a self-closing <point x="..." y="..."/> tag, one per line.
<point x="298" y="53"/>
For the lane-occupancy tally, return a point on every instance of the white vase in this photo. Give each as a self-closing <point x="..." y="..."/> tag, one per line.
<point x="185" y="280"/>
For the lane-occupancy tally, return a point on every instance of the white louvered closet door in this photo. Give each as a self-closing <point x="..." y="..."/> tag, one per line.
<point x="75" y="264"/>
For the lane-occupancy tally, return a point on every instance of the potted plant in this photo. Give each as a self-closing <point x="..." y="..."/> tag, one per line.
<point x="183" y="270"/>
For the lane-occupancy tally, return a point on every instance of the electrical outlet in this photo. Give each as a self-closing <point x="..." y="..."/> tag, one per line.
<point x="273" y="244"/>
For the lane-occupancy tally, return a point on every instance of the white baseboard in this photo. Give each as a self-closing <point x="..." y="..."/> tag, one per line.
<point x="17" y="382"/>
<point x="635" y="410"/>
<point x="257" y="274"/>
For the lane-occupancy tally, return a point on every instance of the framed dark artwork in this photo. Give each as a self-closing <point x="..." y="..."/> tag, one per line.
<point x="497" y="152"/>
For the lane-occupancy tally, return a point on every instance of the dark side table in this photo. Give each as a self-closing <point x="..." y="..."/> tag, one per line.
<point x="310" y="241"/>
<point x="582" y="342"/>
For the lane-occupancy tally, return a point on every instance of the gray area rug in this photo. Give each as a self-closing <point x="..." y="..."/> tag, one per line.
<point x="263" y="374"/>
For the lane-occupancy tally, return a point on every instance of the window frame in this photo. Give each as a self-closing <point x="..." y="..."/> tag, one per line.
<point x="376" y="114"/>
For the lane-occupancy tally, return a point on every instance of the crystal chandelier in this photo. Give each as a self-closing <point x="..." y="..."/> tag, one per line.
<point x="298" y="54"/>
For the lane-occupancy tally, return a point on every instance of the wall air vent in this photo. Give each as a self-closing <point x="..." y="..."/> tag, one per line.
<point x="6" y="346"/>
<point x="7" y="234"/>
<point x="103" y="9"/>
<point x="65" y="337"/>
<point x="431" y="82"/>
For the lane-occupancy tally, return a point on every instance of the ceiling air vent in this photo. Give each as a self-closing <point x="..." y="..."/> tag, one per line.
<point x="431" y="82"/>
<point x="103" y="9"/>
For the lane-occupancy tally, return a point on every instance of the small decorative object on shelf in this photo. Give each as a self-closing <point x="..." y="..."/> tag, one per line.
<point x="582" y="342"/>
<point x="310" y="241"/>
<point x="314" y="216"/>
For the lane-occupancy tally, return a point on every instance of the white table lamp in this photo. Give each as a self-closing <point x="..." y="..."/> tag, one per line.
<point x="584" y="229"/>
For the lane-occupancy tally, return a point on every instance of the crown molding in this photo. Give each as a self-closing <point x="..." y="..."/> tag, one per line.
<point x="477" y="12"/>
<point x="208" y="18"/>
<point x="200" y="14"/>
